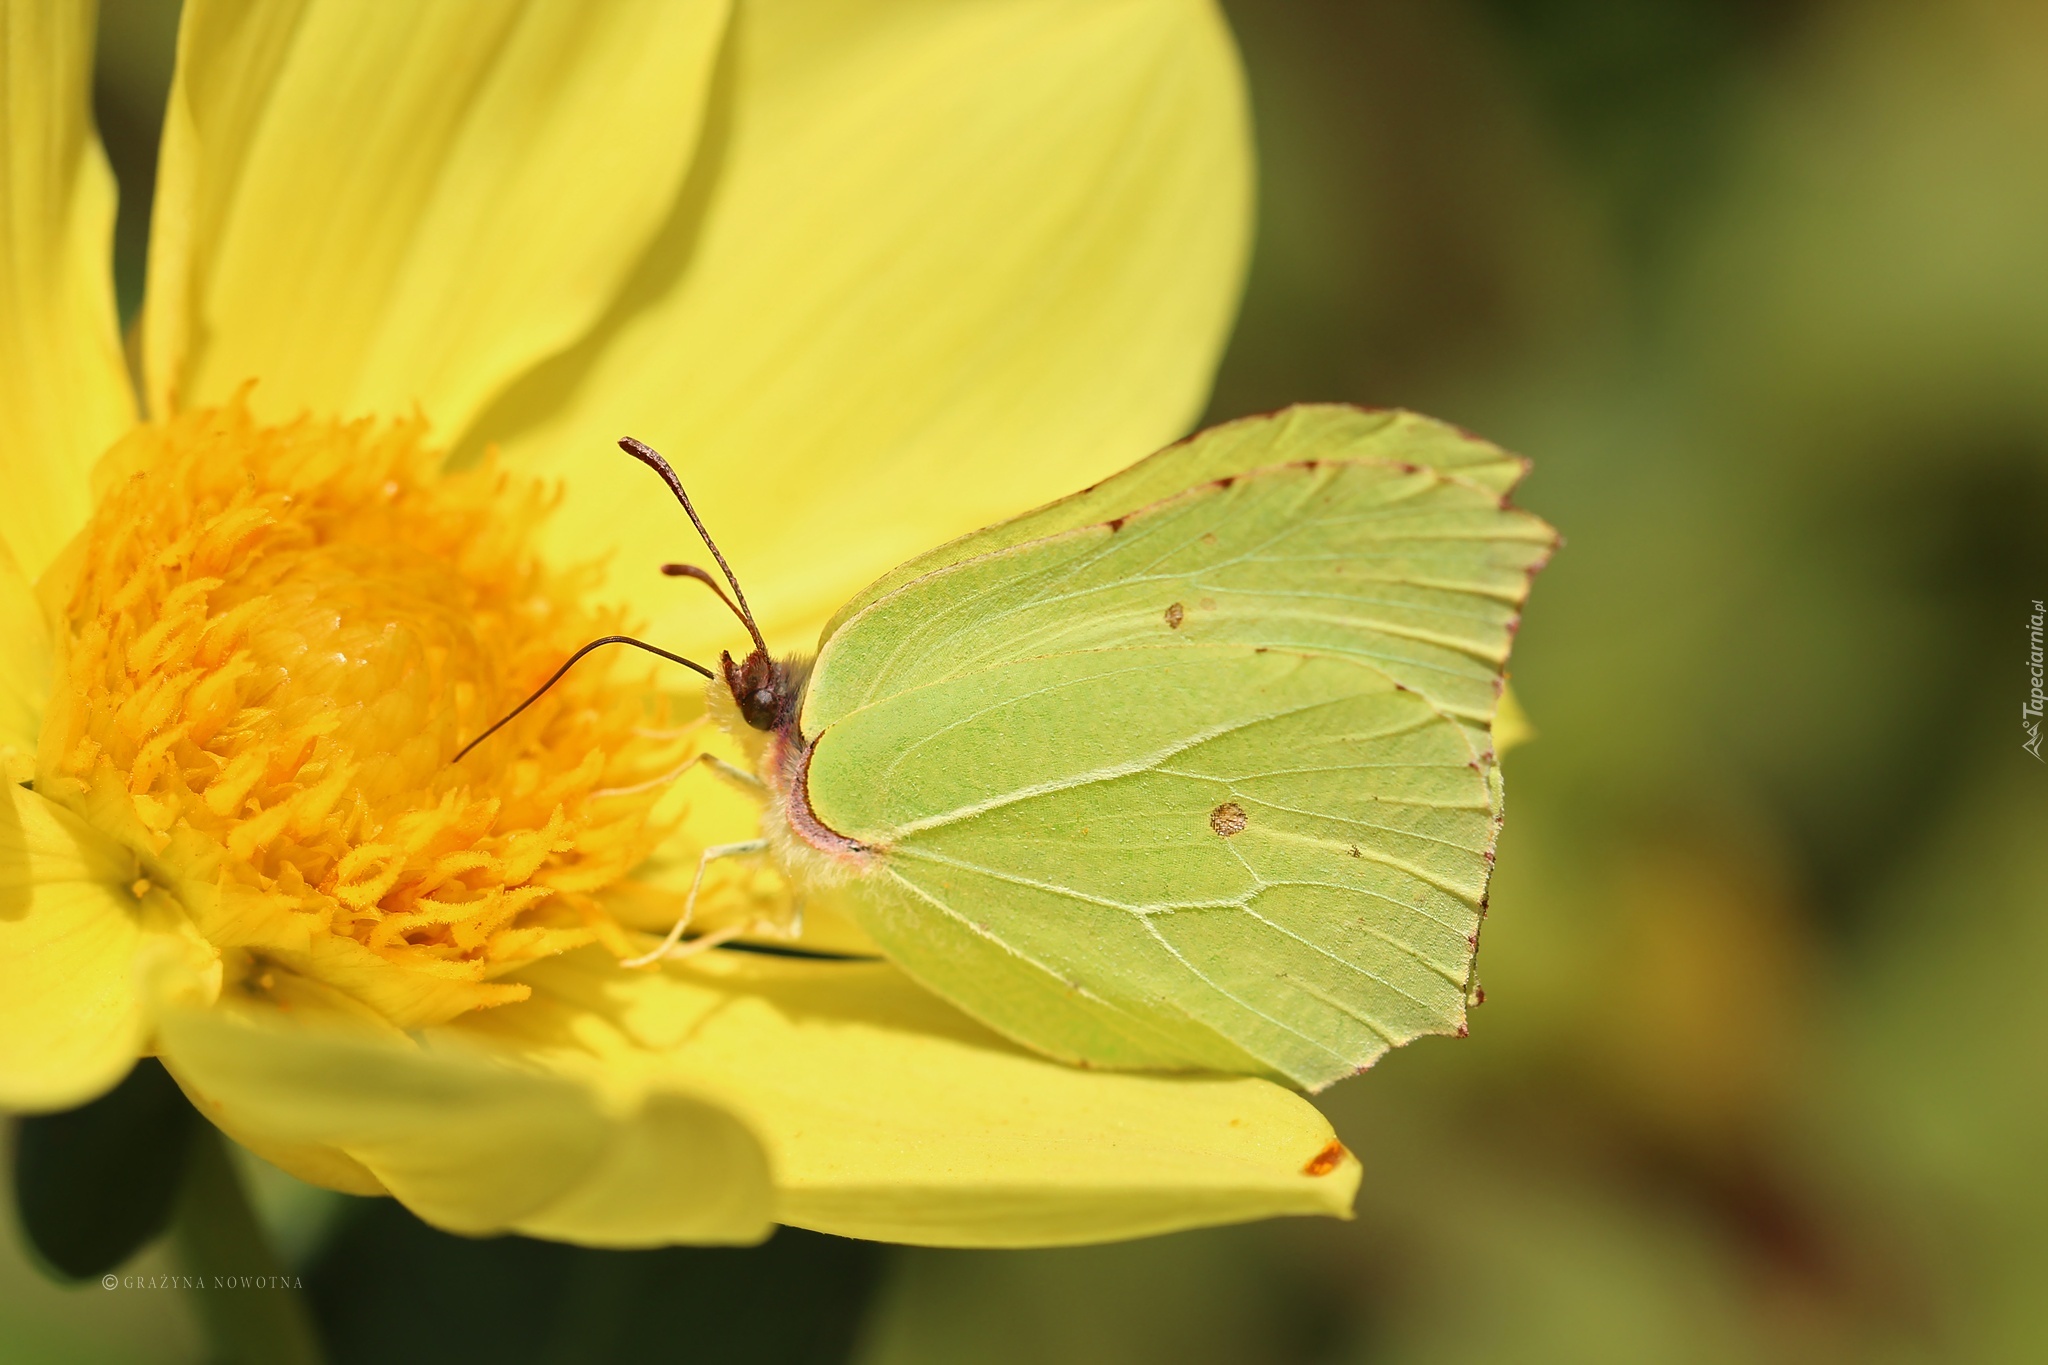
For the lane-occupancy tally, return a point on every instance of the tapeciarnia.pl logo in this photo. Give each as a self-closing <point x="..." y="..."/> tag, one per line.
<point x="2030" y="709"/>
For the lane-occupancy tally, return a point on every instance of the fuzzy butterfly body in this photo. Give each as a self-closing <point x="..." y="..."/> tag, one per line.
<point x="1191" y="770"/>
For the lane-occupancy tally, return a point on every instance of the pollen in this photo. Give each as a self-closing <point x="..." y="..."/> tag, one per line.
<point x="275" y="640"/>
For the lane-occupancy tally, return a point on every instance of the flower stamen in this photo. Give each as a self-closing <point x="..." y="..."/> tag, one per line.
<point x="277" y="637"/>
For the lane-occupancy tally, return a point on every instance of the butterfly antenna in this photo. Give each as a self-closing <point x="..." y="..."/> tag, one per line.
<point x="542" y="690"/>
<point x="692" y="571"/>
<point x="649" y="456"/>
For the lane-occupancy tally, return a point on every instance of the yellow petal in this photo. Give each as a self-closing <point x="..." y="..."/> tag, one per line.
<point x="472" y="1142"/>
<point x="64" y="392"/>
<point x="888" y="1114"/>
<point x="954" y="260"/>
<point x="24" y="670"/>
<point x="1512" y="727"/>
<point x="70" y="1024"/>
<point x="368" y="206"/>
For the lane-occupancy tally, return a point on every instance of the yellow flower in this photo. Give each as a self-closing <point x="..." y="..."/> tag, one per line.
<point x="872" y="274"/>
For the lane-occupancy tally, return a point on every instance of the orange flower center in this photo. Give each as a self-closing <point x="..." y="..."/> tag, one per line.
<point x="276" y="640"/>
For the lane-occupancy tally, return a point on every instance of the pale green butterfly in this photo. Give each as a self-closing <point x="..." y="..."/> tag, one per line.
<point x="1191" y="770"/>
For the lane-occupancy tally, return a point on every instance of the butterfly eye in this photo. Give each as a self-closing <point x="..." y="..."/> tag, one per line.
<point x="764" y="698"/>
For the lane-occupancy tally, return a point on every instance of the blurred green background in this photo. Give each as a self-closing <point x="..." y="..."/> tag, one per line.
<point x="1762" y="287"/>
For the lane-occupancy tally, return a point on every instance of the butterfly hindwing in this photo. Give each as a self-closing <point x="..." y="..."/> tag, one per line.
<point x="1227" y="897"/>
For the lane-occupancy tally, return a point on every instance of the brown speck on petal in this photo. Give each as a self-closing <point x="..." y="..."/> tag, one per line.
<point x="1327" y="1160"/>
<point x="1227" y="819"/>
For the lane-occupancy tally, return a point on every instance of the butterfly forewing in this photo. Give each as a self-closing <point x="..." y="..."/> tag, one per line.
<point x="1415" y="572"/>
<point x="1308" y="431"/>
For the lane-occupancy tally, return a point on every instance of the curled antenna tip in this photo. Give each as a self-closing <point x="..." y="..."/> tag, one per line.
<point x="692" y="571"/>
<point x="652" y="458"/>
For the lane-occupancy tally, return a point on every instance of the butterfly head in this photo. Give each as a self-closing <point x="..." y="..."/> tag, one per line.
<point x="769" y="692"/>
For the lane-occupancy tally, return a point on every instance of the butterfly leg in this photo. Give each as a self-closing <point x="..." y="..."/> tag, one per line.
<point x="668" y="946"/>
<point x="739" y="777"/>
<point x="706" y="941"/>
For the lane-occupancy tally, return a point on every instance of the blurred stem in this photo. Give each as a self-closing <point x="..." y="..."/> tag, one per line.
<point x="254" y="1311"/>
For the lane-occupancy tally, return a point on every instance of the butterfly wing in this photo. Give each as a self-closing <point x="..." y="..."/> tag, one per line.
<point x="1204" y="785"/>
<point x="1307" y="431"/>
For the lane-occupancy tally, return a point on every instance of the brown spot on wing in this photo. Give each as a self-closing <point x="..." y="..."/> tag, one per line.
<point x="1329" y="1159"/>
<point x="1174" y="615"/>
<point x="1228" y="819"/>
